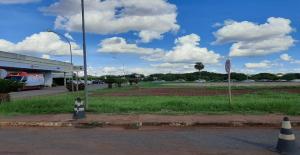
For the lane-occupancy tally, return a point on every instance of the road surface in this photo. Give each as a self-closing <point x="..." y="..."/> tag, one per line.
<point x="146" y="141"/>
<point x="47" y="91"/>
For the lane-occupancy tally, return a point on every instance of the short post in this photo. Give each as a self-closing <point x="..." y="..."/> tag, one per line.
<point x="79" y="111"/>
<point x="65" y="80"/>
<point x="228" y="70"/>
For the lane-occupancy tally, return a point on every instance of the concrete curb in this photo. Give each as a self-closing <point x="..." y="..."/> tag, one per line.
<point x="137" y="125"/>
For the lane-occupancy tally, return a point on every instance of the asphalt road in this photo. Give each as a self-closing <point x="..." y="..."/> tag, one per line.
<point x="47" y="91"/>
<point x="146" y="141"/>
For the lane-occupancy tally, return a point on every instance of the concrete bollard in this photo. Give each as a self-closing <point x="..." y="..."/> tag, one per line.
<point x="79" y="111"/>
<point x="286" y="139"/>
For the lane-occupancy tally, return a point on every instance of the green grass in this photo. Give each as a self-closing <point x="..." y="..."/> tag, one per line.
<point x="262" y="102"/>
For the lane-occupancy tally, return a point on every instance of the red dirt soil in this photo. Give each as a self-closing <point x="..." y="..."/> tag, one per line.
<point x="184" y="92"/>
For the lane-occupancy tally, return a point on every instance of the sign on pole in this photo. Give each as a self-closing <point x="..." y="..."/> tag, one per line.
<point x="3" y="73"/>
<point x="228" y="70"/>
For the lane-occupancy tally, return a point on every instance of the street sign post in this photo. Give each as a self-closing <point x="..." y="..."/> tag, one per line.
<point x="228" y="70"/>
<point x="84" y="57"/>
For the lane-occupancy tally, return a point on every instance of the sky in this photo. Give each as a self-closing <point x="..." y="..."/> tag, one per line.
<point x="157" y="36"/>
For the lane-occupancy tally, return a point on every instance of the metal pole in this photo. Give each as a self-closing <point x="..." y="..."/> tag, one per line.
<point x="72" y="84"/>
<point x="71" y="53"/>
<point x="229" y="87"/>
<point x="84" y="56"/>
<point x="77" y="81"/>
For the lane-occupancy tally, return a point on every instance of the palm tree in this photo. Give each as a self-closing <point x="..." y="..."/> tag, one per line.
<point x="199" y="66"/>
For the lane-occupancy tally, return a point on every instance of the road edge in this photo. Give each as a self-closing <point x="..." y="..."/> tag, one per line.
<point x="136" y="125"/>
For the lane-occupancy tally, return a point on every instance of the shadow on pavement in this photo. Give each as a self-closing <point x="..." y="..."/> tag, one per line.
<point x="271" y="148"/>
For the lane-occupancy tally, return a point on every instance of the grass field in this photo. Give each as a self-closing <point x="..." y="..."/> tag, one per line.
<point x="260" y="102"/>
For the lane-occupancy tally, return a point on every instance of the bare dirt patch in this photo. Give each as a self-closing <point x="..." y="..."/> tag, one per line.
<point x="172" y="92"/>
<point x="184" y="92"/>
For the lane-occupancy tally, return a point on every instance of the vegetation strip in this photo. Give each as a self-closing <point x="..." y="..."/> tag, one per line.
<point x="282" y="100"/>
<point x="136" y="125"/>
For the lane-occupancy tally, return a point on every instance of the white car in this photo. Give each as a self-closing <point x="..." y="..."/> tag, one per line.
<point x="295" y="80"/>
<point x="200" y="81"/>
<point x="248" y="81"/>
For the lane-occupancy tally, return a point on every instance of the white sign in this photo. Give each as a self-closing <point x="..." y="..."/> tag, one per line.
<point x="3" y="73"/>
<point x="228" y="66"/>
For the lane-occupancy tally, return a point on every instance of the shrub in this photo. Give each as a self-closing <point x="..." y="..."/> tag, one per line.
<point x="80" y="86"/>
<point x="119" y="81"/>
<point x="110" y="81"/>
<point x="7" y="86"/>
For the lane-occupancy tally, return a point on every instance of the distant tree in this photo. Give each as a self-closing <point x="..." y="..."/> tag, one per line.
<point x="199" y="66"/>
<point x="119" y="81"/>
<point x="238" y="76"/>
<point x="110" y="80"/>
<point x="135" y="78"/>
<point x="263" y="76"/>
<point x="291" y="76"/>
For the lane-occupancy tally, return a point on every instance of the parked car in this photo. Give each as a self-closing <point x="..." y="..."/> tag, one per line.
<point x="180" y="80"/>
<point x="200" y="81"/>
<point x="98" y="82"/>
<point x="295" y="80"/>
<point x="281" y="81"/>
<point x="248" y="81"/>
<point x="264" y="80"/>
<point x="159" y="81"/>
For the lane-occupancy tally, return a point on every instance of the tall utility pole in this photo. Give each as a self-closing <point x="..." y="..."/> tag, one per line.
<point x="71" y="54"/>
<point x="84" y="57"/>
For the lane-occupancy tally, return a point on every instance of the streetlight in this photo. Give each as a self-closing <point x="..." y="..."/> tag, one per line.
<point x="49" y="30"/>
<point x="114" y="57"/>
<point x="84" y="56"/>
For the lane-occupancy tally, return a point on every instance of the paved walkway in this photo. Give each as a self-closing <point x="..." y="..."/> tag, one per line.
<point x="157" y="120"/>
<point x="32" y="93"/>
<point x="47" y="91"/>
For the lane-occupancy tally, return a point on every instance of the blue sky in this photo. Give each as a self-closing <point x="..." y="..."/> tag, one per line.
<point x="259" y="36"/>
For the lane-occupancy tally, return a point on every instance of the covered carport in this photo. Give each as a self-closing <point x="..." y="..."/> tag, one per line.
<point x="51" y="69"/>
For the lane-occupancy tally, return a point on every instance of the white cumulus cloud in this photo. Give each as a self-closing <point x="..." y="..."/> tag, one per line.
<point x="252" y="39"/>
<point x="288" y="58"/>
<point x="147" y="70"/>
<point x="40" y="43"/>
<point x="119" y="45"/>
<point x="67" y="35"/>
<point x="150" y="18"/>
<point x="262" y="65"/>
<point x="285" y="57"/>
<point x="186" y="50"/>
<point x="17" y="1"/>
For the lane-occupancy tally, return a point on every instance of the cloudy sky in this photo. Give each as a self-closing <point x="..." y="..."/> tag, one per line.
<point x="158" y="36"/>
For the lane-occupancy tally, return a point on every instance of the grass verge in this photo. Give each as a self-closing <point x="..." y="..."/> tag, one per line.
<point x="264" y="102"/>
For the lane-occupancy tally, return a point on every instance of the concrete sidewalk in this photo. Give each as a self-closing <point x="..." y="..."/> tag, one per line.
<point x="136" y="121"/>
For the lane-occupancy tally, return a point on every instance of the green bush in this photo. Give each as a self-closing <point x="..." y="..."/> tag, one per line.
<point x="110" y="81"/>
<point x="7" y="86"/>
<point x="80" y="86"/>
<point x="119" y="81"/>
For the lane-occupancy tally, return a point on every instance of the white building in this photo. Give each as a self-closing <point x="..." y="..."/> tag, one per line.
<point x="51" y="69"/>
